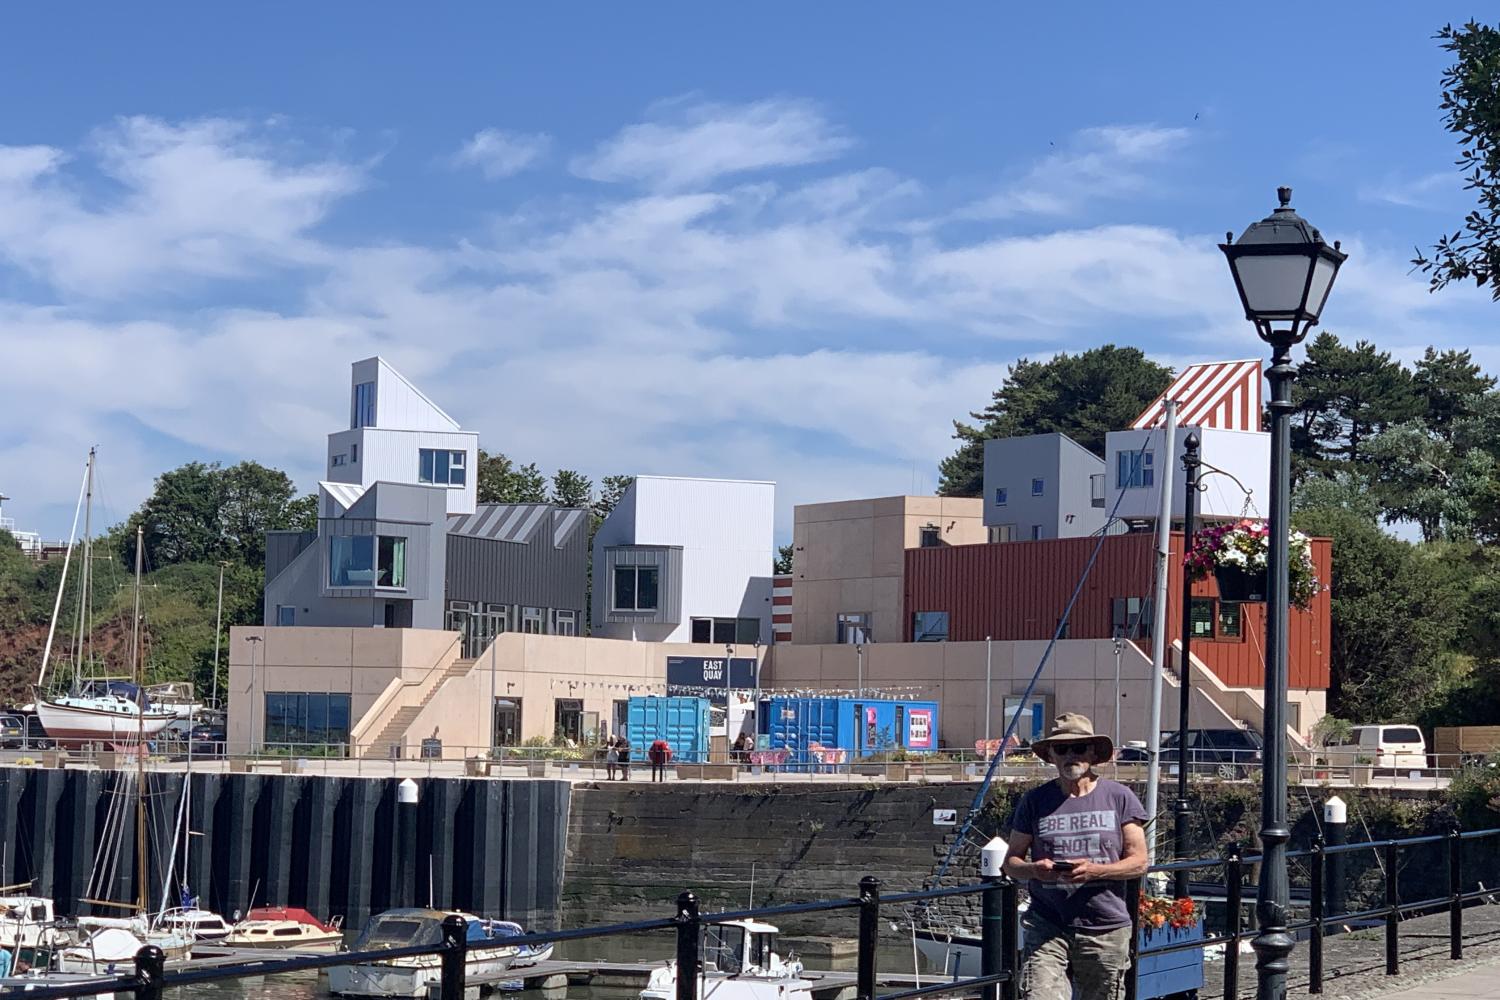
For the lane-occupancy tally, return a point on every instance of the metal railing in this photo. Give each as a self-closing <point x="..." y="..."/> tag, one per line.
<point x="999" y="934"/>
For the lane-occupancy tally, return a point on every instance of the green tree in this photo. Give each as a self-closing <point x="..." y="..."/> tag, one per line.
<point x="1451" y="388"/>
<point x="203" y="513"/>
<point x="572" y="489"/>
<point x="783" y="564"/>
<point x="1471" y="111"/>
<point x="1449" y="490"/>
<point x="1081" y="395"/>
<point x="611" y="489"/>
<point x="1343" y="395"/>
<point x="500" y="480"/>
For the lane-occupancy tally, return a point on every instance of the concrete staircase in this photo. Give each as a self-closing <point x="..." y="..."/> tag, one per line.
<point x="393" y="733"/>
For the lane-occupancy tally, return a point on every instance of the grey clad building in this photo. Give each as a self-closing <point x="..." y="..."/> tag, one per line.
<point x="1041" y="486"/>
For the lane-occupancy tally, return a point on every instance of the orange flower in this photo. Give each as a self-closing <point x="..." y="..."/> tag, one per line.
<point x="1157" y="920"/>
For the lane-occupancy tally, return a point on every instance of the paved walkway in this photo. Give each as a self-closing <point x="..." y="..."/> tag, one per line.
<point x="1478" y="983"/>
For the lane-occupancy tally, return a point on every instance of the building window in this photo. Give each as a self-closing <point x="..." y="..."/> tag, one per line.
<point x="1063" y="629"/>
<point x="1229" y="619"/>
<point x="354" y="454"/>
<point x="1131" y="617"/>
<point x="308" y="718"/>
<point x="931" y="536"/>
<point x="1038" y="487"/>
<point x="363" y="414"/>
<point x="339" y="459"/>
<point x="567" y="719"/>
<point x="1133" y="470"/>
<point x="1002" y="532"/>
<point x="1000" y="496"/>
<point x="440" y="467"/>
<point x="854" y="627"/>
<point x="725" y="630"/>
<point x="564" y="623"/>
<point x="533" y="621"/>
<point x="1201" y="617"/>
<point x="367" y="561"/>
<point x="285" y="615"/>
<point x="636" y="588"/>
<point x="1036" y="532"/>
<point x="507" y="722"/>
<point x="929" y="626"/>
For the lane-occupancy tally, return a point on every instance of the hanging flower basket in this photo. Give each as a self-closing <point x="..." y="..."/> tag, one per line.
<point x="1235" y="554"/>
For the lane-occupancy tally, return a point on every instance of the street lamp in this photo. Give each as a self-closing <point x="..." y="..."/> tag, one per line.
<point x="1190" y="464"/>
<point x="255" y="642"/>
<point x="1283" y="271"/>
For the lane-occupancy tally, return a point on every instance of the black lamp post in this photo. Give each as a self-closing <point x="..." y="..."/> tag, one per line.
<point x="1190" y="463"/>
<point x="1283" y="270"/>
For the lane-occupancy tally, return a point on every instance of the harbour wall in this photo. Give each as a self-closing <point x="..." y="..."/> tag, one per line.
<point x="331" y="844"/>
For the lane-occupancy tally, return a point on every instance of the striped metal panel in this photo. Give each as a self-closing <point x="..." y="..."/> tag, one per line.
<point x="781" y="607"/>
<point x="284" y="546"/>
<point x="1224" y="394"/>
<point x="1018" y="590"/>
<point x="510" y="554"/>
<point x="344" y="494"/>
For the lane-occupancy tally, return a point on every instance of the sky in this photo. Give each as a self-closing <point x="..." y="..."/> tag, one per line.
<point x="764" y="241"/>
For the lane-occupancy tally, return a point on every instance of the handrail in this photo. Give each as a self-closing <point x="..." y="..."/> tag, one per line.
<point x="377" y="710"/>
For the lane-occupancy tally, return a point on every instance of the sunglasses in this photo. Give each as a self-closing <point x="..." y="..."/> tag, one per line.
<point x="1071" y="749"/>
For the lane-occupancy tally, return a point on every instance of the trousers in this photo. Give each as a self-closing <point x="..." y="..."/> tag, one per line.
<point x="1055" y="961"/>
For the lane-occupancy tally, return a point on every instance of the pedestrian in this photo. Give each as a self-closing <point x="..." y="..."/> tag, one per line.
<point x="622" y="745"/>
<point x="1086" y="839"/>
<point x="611" y="756"/>
<point x="660" y="754"/>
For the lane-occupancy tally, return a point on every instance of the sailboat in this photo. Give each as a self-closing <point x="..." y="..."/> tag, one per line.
<point x="188" y="917"/>
<point x="115" y="713"/>
<point x="113" y="941"/>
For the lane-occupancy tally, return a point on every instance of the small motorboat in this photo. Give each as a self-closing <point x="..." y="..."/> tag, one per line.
<point x="200" y="925"/>
<point x="527" y="955"/>
<point x="286" y="927"/>
<point x="739" y="963"/>
<point x="30" y="931"/>
<point x="488" y="956"/>
<point x="109" y="945"/>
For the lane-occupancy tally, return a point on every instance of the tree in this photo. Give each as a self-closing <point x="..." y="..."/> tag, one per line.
<point x="203" y="513"/>
<point x="1081" y="395"/>
<point x="501" y="481"/>
<point x="1471" y="106"/>
<point x="1451" y="388"/>
<point x="783" y="563"/>
<point x="1446" y="488"/>
<point x="611" y="489"/>
<point x="571" y="489"/>
<point x="1343" y="395"/>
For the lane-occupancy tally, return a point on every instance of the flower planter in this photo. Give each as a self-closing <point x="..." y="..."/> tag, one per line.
<point x="1174" y="972"/>
<point x="1238" y="585"/>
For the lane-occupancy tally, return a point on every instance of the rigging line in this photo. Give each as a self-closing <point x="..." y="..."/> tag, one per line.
<point x="57" y="605"/>
<point x="989" y="774"/>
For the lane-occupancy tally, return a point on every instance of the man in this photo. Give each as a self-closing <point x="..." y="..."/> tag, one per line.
<point x="1086" y="837"/>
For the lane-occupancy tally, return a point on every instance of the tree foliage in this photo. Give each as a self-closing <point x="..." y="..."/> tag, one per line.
<point x="205" y="513"/>
<point x="1081" y="395"/>
<point x="501" y="481"/>
<point x="783" y="563"/>
<point x="572" y="489"/>
<point x="1471" y="111"/>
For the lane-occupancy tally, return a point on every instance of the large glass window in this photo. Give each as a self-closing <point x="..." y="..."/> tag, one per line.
<point x="567" y="719"/>
<point x="367" y="561"/>
<point x="637" y="588"/>
<point x="1133" y="470"/>
<point x="929" y="626"/>
<point x="725" y="630"/>
<point x="304" y="717"/>
<point x="564" y="622"/>
<point x="440" y="467"/>
<point x="363" y="414"/>
<point x="507" y="722"/>
<point x="533" y="620"/>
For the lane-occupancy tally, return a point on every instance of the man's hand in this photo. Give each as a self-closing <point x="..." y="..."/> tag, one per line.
<point x="1043" y="871"/>
<point x="1082" y="871"/>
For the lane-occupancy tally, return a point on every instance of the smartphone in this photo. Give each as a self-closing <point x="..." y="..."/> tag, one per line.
<point x="1062" y="866"/>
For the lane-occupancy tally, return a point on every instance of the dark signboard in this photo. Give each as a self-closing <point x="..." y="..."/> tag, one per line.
<point x="703" y="676"/>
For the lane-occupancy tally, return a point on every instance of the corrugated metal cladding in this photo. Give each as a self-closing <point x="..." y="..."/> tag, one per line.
<point x="669" y="605"/>
<point x="1018" y="590"/>
<point x="528" y="554"/>
<point x="284" y="546"/>
<point x="417" y="548"/>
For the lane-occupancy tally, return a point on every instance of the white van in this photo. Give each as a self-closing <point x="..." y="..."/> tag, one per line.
<point x="1395" y="747"/>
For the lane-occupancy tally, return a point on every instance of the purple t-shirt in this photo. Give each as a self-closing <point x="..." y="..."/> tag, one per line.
<point x="1086" y="828"/>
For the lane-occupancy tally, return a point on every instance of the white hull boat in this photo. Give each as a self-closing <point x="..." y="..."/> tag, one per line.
<point x="111" y="946"/>
<point x="740" y="963"/>
<point x="75" y="720"/>
<point x="413" y="977"/>
<point x="199" y="925"/>
<point x="286" y="928"/>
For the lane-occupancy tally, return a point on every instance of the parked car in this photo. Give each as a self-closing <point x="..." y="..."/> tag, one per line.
<point x="1228" y="753"/>
<point x="1396" y="747"/>
<point x="207" y="741"/>
<point x="12" y="732"/>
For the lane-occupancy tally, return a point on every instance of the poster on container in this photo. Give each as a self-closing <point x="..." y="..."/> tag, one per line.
<point x="919" y="728"/>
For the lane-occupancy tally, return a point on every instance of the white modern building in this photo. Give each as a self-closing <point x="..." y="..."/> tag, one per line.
<point x="397" y="435"/>
<point x="686" y="560"/>
<point x="1221" y="403"/>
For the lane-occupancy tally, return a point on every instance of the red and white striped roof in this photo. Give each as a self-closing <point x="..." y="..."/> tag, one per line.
<point x="1222" y="394"/>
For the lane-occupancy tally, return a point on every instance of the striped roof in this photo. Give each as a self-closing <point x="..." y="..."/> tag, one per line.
<point x="517" y="522"/>
<point x="1222" y="394"/>
<point x="343" y="494"/>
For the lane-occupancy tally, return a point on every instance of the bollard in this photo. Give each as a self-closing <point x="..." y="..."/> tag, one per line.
<point x="688" y="929"/>
<point x="991" y="934"/>
<point x="1392" y="914"/>
<point x="1335" y="834"/>
<point x="455" y="956"/>
<point x="1315" y="941"/>
<point x="1010" y="938"/>
<point x="869" y="936"/>
<point x="1455" y="895"/>
<point x="408" y="795"/>
<point x="150" y="972"/>
<point x="1234" y="877"/>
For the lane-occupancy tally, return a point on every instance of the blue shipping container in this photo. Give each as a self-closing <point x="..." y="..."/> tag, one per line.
<point x="862" y="726"/>
<point x="682" y="722"/>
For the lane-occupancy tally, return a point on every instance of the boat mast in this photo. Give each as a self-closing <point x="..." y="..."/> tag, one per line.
<point x="62" y="582"/>
<point x="142" y="890"/>
<point x="85" y="574"/>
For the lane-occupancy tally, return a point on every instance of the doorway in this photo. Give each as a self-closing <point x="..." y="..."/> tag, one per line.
<point x="507" y="731"/>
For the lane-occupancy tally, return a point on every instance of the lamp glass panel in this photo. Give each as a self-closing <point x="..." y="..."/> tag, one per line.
<point x="1273" y="283"/>
<point x="1322" y="281"/>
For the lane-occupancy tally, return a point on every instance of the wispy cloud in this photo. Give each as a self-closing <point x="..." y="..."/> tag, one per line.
<point x="690" y="144"/>
<point x="1430" y="191"/>
<point x="498" y="153"/>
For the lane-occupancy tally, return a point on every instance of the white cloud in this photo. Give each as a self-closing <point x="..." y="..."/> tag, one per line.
<point x="1430" y="191"/>
<point x="691" y="144"/>
<point x="500" y="154"/>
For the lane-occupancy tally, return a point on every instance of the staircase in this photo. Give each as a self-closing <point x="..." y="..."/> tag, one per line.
<point x="391" y="735"/>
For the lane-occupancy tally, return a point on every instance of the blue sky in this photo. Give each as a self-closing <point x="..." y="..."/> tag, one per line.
<point x="776" y="241"/>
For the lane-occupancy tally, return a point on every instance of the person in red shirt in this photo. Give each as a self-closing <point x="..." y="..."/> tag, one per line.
<point x="660" y="753"/>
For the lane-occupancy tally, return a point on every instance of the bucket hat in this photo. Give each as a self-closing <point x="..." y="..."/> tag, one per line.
<point x="1070" y="727"/>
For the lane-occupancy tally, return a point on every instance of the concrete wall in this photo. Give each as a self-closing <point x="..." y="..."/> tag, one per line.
<point x="849" y="556"/>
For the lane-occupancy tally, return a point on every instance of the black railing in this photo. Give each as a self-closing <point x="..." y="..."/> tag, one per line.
<point x="999" y="931"/>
